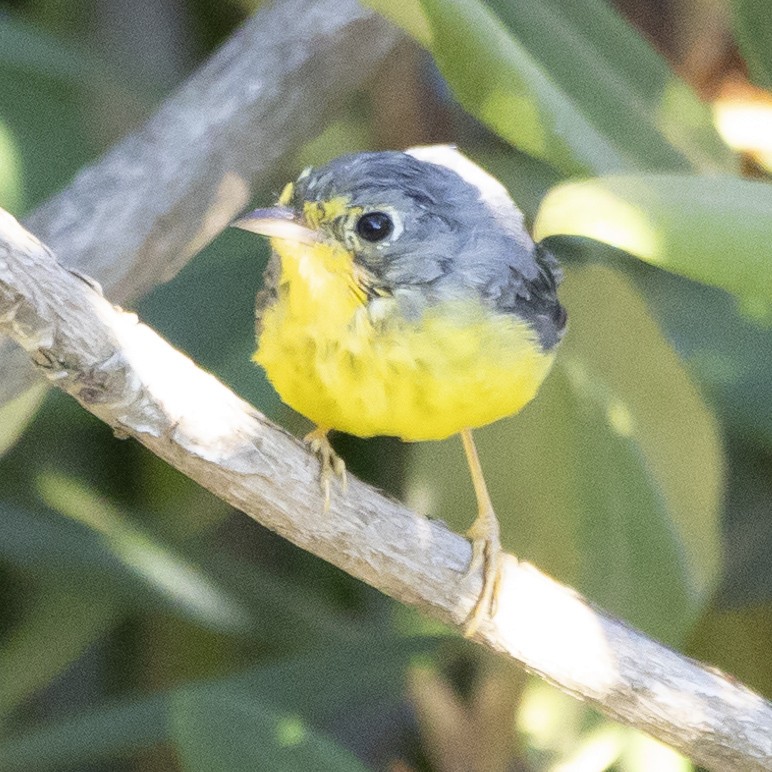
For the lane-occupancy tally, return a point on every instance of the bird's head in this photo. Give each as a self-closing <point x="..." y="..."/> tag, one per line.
<point x="403" y="219"/>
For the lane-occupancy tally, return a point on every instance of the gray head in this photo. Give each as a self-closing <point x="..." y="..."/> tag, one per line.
<point x="431" y="223"/>
<point x="408" y="220"/>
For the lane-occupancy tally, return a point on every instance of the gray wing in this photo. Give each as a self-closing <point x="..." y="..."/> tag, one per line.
<point x="534" y="298"/>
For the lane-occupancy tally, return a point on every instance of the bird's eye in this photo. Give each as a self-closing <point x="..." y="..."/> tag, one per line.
<point x="375" y="226"/>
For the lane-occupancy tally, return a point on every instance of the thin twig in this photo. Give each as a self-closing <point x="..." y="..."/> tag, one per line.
<point x="135" y="217"/>
<point x="125" y="374"/>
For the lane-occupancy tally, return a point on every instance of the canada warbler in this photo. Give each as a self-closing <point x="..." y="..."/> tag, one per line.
<point x="404" y="297"/>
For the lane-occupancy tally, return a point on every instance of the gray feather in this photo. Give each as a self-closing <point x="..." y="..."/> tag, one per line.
<point x="460" y="234"/>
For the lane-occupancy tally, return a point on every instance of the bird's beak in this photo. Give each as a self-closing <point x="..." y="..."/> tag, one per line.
<point x="279" y="222"/>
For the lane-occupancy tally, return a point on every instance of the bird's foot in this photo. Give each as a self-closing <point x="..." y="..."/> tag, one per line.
<point x="486" y="555"/>
<point x="332" y="464"/>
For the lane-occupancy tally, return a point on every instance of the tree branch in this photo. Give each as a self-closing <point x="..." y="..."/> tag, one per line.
<point x="126" y="375"/>
<point x="135" y="217"/>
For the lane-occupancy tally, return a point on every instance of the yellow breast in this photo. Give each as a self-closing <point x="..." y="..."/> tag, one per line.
<point x="366" y="371"/>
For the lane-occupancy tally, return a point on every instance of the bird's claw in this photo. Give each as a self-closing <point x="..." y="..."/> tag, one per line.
<point x="486" y="555"/>
<point x="332" y="465"/>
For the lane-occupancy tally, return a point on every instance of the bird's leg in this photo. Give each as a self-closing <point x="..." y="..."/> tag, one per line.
<point x="332" y="464"/>
<point x="486" y="545"/>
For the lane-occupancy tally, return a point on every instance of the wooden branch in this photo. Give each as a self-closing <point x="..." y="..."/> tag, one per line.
<point x="134" y="218"/>
<point x="125" y="374"/>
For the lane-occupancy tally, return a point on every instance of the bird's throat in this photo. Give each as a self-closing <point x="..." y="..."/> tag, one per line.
<point x="318" y="285"/>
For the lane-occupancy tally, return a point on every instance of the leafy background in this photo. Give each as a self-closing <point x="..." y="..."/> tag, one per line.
<point x="145" y="625"/>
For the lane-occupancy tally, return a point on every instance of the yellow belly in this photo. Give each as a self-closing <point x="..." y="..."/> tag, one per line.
<point x="460" y="366"/>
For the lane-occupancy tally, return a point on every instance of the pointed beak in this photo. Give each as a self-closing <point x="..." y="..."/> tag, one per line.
<point x="278" y="222"/>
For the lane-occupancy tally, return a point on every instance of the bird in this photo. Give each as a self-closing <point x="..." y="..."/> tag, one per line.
<point x="404" y="297"/>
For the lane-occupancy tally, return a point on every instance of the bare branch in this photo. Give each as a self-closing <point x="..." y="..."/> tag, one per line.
<point x="122" y="372"/>
<point x="134" y="218"/>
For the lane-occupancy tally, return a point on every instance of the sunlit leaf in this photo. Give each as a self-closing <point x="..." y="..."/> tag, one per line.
<point x="743" y="116"/>
<point x="728" y="354"/>
<point x="710" y="229"/>
<point x="643" y="753"/>
<point x="238" y="733"/>
<point x="611" y="479"/>
<point x="16" y="414"/>
<point x="600" y="748"/>
<point x="576" y="86"/>
<point x="571" y="737"/>
<point x="620" y="81"/>
<point x="11" y="187"/>
<point x="498" y="81"/>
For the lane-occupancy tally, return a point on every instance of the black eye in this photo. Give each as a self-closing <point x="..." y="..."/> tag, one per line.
<point x="375" y="226"/>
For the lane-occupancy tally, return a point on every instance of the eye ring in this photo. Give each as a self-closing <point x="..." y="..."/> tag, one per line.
<point x="374" y="226"/>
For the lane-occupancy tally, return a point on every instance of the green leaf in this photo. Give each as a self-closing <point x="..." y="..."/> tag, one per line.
<point x="624" y="86"/>
<point x="319" y="687"/>
<point x="205" y="297"/>
<point x="737" y="641"/>
<point x="577" y="87"/>
<point x="715" y="230"/>
<point x="74" y="741"/>
<point x="236" y="732"/>
<point x="11" y="187"/>
<point x="16" y="414"/>
<point x="45" y="122"/>
<point x="611" y="480"/>
<point x="753" y="31"/>
<point x="180" y="581"/>
<point x="497" y="80"/>
<point x="52" y="95"/>
<point x="46" y="544"/>
<point x="55" y="549"/>
<point x="747" y="526"/>
<point x="60" y="613"/>
<point x="730" y="356"/>
<point x="34" y="51"/>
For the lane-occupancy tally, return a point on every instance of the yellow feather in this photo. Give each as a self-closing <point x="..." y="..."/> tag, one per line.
<point x="461" y="365"/>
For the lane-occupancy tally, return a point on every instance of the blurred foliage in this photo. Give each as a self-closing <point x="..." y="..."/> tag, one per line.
<point x="642" y="216"/>
<point x="15" y="415"/>
<point x="531" y="83"/>
<point x="144" y="625"/>
<point x="754" y="37"/>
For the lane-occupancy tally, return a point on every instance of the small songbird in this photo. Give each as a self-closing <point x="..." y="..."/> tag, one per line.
<point x="405" y="298"/>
